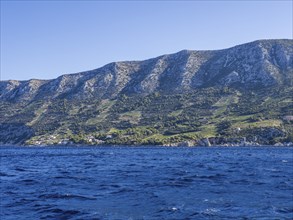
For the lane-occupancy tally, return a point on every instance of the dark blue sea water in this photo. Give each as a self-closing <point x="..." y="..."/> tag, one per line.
<point x="146" y="183"/>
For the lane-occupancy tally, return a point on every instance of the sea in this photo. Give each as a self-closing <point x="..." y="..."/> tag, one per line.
<point x="130" y="183"/>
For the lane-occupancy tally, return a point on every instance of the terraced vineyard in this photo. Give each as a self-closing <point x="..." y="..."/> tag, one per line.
<point x="156" y="118"/>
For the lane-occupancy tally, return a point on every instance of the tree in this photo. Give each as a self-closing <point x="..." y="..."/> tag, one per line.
<point x="223" y="127"/>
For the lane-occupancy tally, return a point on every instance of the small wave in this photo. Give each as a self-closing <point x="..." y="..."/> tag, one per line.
<point x="114" y="186"/>
<point x="64" y="177"/>
<point x="211" y="168"/>
<point x="194" y="214"/>
<point x="64" y="172"/>
<point x="56" y="213"/>
<point x="285" y="210"/>
<point x="200" y="165"/>
<point x="89" y="164"/>
<point x="20" y="202"/>
<point x="6" y="174"/>
<point x="20" y="169"/>
<point x="174" y="209"/>
<point x="106" y="186"/>
<point x="168" y="209"/>
<point x="211" y="177"/>
<point x="28" y="181"/>
<point x="187" y="180"/>
<point x="124" y="190"/>
<point x="66" y="212"/>
<point x="132" y="165"/>
<point x="284" y="185"/>
<point x="65" y="196"/>
<point x="210" y="211"/>
<point x="10" y="193"/>
<point x="259" y="183"/>
<point x="177" y="184"/>
<point x="241" y="181"/>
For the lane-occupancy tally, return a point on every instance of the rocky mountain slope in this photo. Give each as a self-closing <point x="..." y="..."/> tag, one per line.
<point x="168" y="99"/>
<point x="258" y="64"/>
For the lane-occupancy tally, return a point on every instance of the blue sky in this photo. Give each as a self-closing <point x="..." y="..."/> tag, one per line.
<point x="45" y="39"/>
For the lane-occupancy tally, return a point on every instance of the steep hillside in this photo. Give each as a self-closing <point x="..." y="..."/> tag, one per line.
<point x="244" y="92"/>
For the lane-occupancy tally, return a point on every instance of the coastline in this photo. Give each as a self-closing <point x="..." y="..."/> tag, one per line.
<point x="253" y="145"/>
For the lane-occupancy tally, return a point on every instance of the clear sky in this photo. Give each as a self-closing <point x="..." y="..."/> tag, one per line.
<point x="45" y="39"/>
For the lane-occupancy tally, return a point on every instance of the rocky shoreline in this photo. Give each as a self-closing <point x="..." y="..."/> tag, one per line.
<point x="182" y="144"/>
<point x="208" y="142"/>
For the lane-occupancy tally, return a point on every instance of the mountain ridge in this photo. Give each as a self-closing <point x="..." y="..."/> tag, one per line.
<point x="186" y="70"/>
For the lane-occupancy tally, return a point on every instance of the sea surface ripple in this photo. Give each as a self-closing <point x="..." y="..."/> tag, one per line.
<point x="146" y="183"/>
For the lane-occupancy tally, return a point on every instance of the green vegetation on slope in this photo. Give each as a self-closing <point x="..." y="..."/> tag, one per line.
<point x="221" y="114"/>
